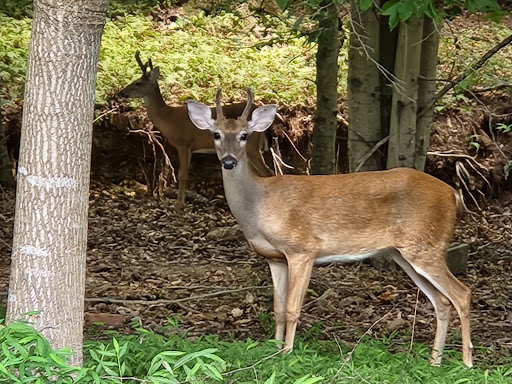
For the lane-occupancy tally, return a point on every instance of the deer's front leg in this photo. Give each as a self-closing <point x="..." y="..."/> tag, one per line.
<point x="299" y="274"/>
<point x="279" y="271"/>
<point x="184" y="159"/>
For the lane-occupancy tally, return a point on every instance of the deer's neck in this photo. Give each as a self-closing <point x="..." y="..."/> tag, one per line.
<point x="155" y="104"/>
<point x="244" y="194"/>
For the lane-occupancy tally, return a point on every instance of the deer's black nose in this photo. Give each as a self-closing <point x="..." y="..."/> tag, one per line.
<point x="229" y="162"/>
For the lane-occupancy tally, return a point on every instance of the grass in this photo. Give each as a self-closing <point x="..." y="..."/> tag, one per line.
<point x="170" y="357"/>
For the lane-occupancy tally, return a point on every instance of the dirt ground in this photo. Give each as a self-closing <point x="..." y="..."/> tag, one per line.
<point x="147" y="261"/>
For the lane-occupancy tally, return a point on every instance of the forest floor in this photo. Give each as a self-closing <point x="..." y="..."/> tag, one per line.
<point x="147" y="261"/>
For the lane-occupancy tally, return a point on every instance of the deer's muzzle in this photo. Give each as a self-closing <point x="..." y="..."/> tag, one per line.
<point x="229" y="162"/>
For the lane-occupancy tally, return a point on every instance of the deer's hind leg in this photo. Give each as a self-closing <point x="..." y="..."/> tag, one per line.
<point x="429" y="271"/>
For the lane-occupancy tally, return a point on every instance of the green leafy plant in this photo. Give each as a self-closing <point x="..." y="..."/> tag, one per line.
<point x="27" y="357"/>
<point x="473" y="143"/>
<point x="507" y="168"/>
<point x="149" y="357"/>
<point x="504" y="128"/>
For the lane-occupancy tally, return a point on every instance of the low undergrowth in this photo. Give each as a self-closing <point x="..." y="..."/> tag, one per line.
<point x="168" y="357"/>
<point x="233" y="48"/>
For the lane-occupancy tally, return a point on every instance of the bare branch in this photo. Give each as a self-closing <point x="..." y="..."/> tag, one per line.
<point x="465" y="74"/>
<point x="369" y="154"/>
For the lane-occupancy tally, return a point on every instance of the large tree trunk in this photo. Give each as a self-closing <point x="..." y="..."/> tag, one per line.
<point x="426" y="91"/>
<point x="402" y="130"/>
<point x="50" y="229"/>
<point x="364" y="90"/>
<point x="323" y="160"/>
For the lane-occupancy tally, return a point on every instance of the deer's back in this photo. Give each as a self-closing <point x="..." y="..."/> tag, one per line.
<point x="370" y="210"/>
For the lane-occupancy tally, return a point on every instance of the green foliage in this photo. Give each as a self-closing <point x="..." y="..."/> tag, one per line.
<point x="196" y="55"/>
<point x="13" y="57"/>
<point x="464" y="44"/>
<point x="200" y="53"/>
<point x="17" y="9"/>
<point x="27" y="357"/>
<point x="402" y="10"/>
<point x="119" y="8"/>
<point x="473" y="143"/>
<point x="149" y="357"/>
<point x="504" y="128"/>
<point x="507" y="169"/>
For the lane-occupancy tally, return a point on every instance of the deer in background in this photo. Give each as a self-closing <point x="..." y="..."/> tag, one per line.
<point x="296" y="221"/>
<point x="178" y="130"/>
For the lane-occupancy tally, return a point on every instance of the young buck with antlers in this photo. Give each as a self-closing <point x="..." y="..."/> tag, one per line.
<point x="297" y="221"/>
<point x="178" y="130"/>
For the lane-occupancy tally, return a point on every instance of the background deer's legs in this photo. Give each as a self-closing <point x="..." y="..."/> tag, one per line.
<point x="184" y="160"/>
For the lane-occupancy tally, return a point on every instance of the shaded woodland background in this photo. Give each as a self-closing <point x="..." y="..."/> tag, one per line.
<point x="147" y="262"/>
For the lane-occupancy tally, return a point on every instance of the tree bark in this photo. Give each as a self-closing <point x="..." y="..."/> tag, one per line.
<point x="50" y="229"/>
<point x="402" y="131"/>
<point x="426" y="91"/>
<point x="364" y="89"/>
<point x="388" y="41"/>
<point x="323" y="159"/>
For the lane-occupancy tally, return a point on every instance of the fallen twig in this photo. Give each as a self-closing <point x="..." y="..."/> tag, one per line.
<point x="323" y="296"/>
<point x="166" y="302"/>
<point x="104" y="114"/>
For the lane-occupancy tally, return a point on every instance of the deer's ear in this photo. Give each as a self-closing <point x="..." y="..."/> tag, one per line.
<point x="154" y="74"/>
<point x="200" y="115"/>
<point x="262" y="118"/>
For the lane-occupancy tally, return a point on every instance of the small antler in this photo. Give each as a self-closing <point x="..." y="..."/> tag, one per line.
<point x="218" y="96"/>
<point x="247" y="109"/>
<point x="143" y="67"/>
<point x="150" y="63"/>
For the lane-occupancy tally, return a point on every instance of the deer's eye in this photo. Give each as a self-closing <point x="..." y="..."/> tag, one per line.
<point x="216" y="135"/>
<point x="243" y="136"/>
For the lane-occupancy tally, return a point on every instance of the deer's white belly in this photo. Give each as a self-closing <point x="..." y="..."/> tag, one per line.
<point x="343" y="258"/>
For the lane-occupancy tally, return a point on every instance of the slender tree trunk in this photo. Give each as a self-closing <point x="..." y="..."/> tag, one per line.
<point x="402" y="131"/>
<point x="6" y="179"/>
<point x="426" y="91"/>
<point x="50" y="229"/>
<point x="388" y="41"/>
<point x="364" y="89"/>
<point x="323" y="160"/>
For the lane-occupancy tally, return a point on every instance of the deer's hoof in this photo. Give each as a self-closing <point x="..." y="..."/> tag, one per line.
<point x="179" y="205"/>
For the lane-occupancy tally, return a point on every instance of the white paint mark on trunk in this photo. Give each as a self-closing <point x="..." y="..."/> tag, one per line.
<point x="35" y="251"/>
<point x="48" y="182"/>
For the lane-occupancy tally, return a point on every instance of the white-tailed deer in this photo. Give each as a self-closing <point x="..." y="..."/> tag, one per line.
<point x="178" y="130"/>
<point x="297" y="221"/>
